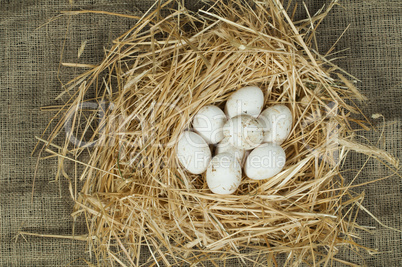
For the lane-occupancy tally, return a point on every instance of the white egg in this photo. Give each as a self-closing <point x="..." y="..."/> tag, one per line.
<point x="247" y="100"/>
<point x="277" y="123"/>
<point x="265" y="161"/>
<point x="208" y="123"/>
<point x="193" y="152"/>
<point x="225" y="147"/>
<point x="244" y="132"/>
<point x="223" y="174"/>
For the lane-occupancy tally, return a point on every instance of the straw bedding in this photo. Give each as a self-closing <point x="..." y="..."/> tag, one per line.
<point x="149" y="86"/>
<point x="155" y="78"/>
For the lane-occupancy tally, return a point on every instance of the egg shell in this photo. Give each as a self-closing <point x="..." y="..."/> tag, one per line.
<point x="244" y="132"/>
<point x="277" y="123"/>
<point x="208" y="123"/>
<point x="225" y="147"/>
<point x="265" y="161"/>
<point x="248" y="100"/>
<point x="224" y="174"/>
<point x="193" y="152"/>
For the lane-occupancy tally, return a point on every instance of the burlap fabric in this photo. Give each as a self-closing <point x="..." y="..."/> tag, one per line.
<point x="33" y="36"/>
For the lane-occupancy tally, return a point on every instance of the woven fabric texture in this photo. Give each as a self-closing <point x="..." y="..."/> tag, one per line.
<point x="35" y="38"/>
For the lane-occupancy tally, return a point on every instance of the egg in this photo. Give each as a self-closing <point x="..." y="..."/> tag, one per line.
<point x="248" y="100"/>
<point x="193" y="152"/>
<point x="265" y="161"/>
<point x="223" y="174"/>
<point x="208" y="123"/>
<point x="277" y="123"/>
<point x="225" y="147"/>
<point x="244" y="132"/>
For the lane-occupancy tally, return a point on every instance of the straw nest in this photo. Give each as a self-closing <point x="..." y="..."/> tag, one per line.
<point x="136" y="197"/>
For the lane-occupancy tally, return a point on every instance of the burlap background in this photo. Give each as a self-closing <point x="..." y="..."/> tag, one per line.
<point x="30" y="49"/>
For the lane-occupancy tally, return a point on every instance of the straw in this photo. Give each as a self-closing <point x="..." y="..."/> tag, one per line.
<point x="153" y="80"/>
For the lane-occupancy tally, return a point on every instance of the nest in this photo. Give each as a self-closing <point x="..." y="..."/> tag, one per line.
<point x="136" y="196"/>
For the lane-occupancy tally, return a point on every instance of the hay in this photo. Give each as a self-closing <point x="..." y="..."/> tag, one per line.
<point x="154" y="80"/>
